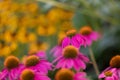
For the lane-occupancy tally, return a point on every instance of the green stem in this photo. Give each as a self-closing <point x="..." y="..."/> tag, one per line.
<point x="94" y="62"/>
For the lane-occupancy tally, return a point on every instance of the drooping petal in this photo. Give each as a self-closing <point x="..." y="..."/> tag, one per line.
<point x="80" y="76"/>
<point x="66" y="41"/>
<point x="109" y="78"/>
<point x="39" y="76"/>
<point x="83" y="57"/>
<point x="76" y="66"/>
<point x="81" y="40"/>
<point x="60" y="63"/>
<point x="75" y="42"/>
<point x="41" y="54"/>
<point x="81" y="64"/>
<point x="88" y="41"/>
<point x="56" y="51"/>
<point x="94" y="35"/>
<point x="70" y="63"/>
<point x="57" y="59"/>
<point x="102" y="75"/>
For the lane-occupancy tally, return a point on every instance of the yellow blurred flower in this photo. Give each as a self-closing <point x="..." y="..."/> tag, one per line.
<point x="66" y="15"/>
<point x="30" y="7"/>
<point x="5" y="5"/>
<point x="25" y="37"/>
<point x="14" y="7"/>
<point x="27" y="21"/>
<point x="4" y="17"/>
<point x="5" y="51"/>
<point x="36" y="46"/>
<point x="9" y="36"/>
<point x="22" y="35"/>
<point x="12" y="22"/>
<point x="66" y="25"/>
<point x="32" y="37"/>
<point x="42" y="19"/>
<point x="57" y="14"/>
<point x="13" y="46"/>
<point x="61" y="34"/>
<point x="46" y="30"/>
<point x="54" y="15"/>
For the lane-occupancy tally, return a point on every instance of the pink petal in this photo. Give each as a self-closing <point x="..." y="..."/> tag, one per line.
<point x="41" y="54"/>
<point x="109" y="78"/>
<point x="56" y="51"/>
<point x="60" y="63"/>
<point x="39" y="76"/>
<point x="3" y="74"/>
<point x="102" y="75"/>
<point x="83" y="57"/>
<point x="80" y="76"/>
<point x="75" y="42"/>
<point x="70" y="63"/>
<point x="66" y="41"/>
<point x="94" y="36"/>
<point x="57" y="59"/>
<point x="76" y="65"/>
<point x="88" y="41"/>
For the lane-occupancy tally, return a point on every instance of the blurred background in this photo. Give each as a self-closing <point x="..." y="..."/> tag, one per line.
<point x="27" y="26"/>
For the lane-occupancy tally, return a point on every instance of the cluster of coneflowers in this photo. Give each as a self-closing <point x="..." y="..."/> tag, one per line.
<point x="113" y="71"/>
<point x="69" y="62"/>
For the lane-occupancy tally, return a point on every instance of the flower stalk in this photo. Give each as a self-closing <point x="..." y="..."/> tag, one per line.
<point x="94" y="62"/>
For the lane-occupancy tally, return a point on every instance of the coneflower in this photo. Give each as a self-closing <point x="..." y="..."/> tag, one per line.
<point x="12" y="68"/>
<point x="89" y="35"/>
<point x="71" y="58"/>
<point x="112" y="72"/>
<point x="73" y="38"/>
<point x="33" y="62"/>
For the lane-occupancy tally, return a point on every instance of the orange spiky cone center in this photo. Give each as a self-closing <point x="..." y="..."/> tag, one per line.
<point x="64" y="74"/>
<point x="70" y="52"/>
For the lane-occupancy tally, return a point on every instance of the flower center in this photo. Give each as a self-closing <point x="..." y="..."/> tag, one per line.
<point x="31" y="60"/>
<point x="115" y="61"/>
<point x="64" y="74"/>
<point x="70" y="52"/>
<point x="11" y="62"/>
<point x="86" y="30"/>
<point x="108" y="73"/>
<point x="27" y="75"/>
<point x="71" y="33"/>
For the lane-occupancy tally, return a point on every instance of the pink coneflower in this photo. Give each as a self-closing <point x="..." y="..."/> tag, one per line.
<point x="12" y="69"/>
<point x="39" y="65"/>
<point x="71" y="58"/>
<point x="109" y="74"/>
<point x="73" y="38"/>
<point x="112" y="72"/>
<point x="66" y="74"/>
<point x="89" y="34"/>
<point x="28" y="74"/>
